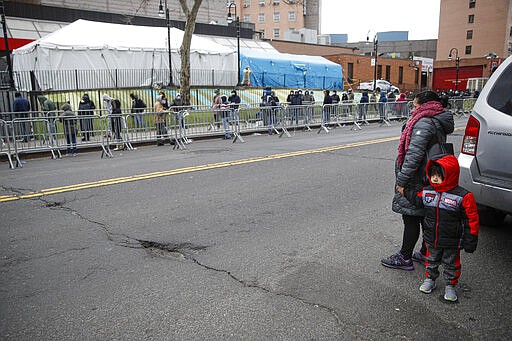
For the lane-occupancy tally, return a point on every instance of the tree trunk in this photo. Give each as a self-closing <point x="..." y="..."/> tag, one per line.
<point x="185" y="47"/>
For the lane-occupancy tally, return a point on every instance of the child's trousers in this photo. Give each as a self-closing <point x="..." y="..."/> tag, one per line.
<point x="449" y="258"/>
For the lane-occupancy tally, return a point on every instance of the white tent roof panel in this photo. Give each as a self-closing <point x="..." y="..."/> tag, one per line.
<point x="95" y="46"/>
<point x="97" y="35"/>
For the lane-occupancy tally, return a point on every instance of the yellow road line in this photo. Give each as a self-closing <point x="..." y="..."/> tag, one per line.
<point x="132" y="178"/>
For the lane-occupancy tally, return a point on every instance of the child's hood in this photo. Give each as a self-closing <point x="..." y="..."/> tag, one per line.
<point x="451" y="169"/>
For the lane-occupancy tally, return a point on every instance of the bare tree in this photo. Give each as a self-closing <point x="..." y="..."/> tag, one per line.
<point x="190" y="24"/>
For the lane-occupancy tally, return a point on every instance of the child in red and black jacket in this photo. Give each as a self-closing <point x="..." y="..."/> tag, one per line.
<point x="451" y="222"/>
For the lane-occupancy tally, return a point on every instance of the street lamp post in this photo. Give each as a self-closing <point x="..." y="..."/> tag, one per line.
<point x="491" y="56"/>
<point x="457" y="62"/>
<point x="168" y="20"/>
<point x="375" y="49"/>
<point x="230" y="20"/>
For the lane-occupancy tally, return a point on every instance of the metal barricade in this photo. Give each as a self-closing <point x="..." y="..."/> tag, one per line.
<point x="327" y="112"/>
<point x="259" y="118"/>
<point x="32" y="134"/>
<point x="182" y="121"/>
<point x="235" y="123"/>
<point x="115" y="131"/>
<point x="362" y="116"/>
<point x="39" y="131"/>
<point x="297" y="116"/>
<point x="201" y="122"/>
<point x="337" y="115"/>
<point x="5" y="142"/>
<point x="396" y="111"/>
<point x="460" y="106"/>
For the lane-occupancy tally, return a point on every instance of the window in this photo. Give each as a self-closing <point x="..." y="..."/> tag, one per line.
<point x="416" y="76"/>
<point x="468" y="49"/>
<point x="500" y="97"/>
<point x="469" y="34"/>
<point x="350" y="70"/>
<point x="275" y="2"/>
<point x="379" y="71"/>
<point x="472" y="3"/>
<point x="388" y="72"/>
<point x="247" y="18"/>
<point x="247" y="3"/>
<point x="261" y="17"/>
<point x="261" y="3"/>
<point x="277" y="16"/>
<point x="400" y="75"/>
<point x="291" y="16"/>
<point x="276" y="33"/>
<point x="471" y="18"/>
<point x="510" y="33"/>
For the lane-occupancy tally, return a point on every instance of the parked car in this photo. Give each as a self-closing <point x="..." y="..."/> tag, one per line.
<point x="382" y="84"/>
<point x="486" y="155"/>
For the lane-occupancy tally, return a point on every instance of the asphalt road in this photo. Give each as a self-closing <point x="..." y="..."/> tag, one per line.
<point x="196" y="244"/>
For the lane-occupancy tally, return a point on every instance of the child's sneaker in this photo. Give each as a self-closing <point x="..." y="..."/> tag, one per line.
<point x="417" y="256"/>
<point x="450" y="294"/>
<point x="428" y="285"/>
<point x="397" y="261"/>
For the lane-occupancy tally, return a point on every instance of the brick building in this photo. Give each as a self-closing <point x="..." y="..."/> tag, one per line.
<point x="357" y="68"/>
<point x="404" y="74"/>
<point x="471" y="30"/>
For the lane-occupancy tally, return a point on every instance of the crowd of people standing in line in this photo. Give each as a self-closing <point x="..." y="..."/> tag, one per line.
<point x="225" y="108"/>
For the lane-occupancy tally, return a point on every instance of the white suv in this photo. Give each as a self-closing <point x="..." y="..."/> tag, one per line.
<point x="486" y="155"/>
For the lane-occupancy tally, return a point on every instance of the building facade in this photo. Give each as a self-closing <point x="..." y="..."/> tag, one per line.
<point x="211" y="11"/>
<point x="404" y="49"/>
<point x="282" y="19"/>
<point x="479" y="33"/>
<point x="403" y="73"/>
<point x="475" y="28"/>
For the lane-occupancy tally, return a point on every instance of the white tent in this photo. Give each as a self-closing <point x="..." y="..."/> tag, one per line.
<point x="87" y="54"/>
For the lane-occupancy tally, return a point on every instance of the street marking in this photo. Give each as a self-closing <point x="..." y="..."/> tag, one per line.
<point x="139" y="177"/>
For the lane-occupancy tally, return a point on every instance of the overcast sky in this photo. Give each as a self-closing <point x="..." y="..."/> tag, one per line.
<point x="356" y="17"/>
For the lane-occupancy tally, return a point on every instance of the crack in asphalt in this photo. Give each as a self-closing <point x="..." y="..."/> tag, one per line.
<point x="183" y="249"/>
<point x="119" y="238"/>
<point x="253" y="284"/>
<point x="16" y="190"/>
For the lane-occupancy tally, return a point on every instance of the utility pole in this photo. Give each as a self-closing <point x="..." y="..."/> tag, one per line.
<point x="6" y="41"/>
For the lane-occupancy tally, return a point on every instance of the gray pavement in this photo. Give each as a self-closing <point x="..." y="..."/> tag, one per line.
<point x="286" y="248"/>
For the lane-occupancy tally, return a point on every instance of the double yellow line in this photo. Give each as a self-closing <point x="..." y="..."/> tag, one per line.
<point x="132" y="178"/>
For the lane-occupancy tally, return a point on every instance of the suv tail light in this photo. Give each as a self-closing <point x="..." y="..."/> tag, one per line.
<point x="470" y="140"/>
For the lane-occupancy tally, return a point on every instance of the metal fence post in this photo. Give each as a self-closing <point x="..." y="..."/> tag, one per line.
<point x="76" y="79"/>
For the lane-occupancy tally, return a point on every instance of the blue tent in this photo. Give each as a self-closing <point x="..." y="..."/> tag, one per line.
<point x="283" y="70"/>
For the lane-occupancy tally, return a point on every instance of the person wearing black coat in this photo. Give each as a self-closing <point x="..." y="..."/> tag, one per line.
<point x="327" y="109"/>
<point x="85" y="117"/>
<point x="363" y="105"/>
<point x="429" y="123"/>
<point x="296" y="100"/>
